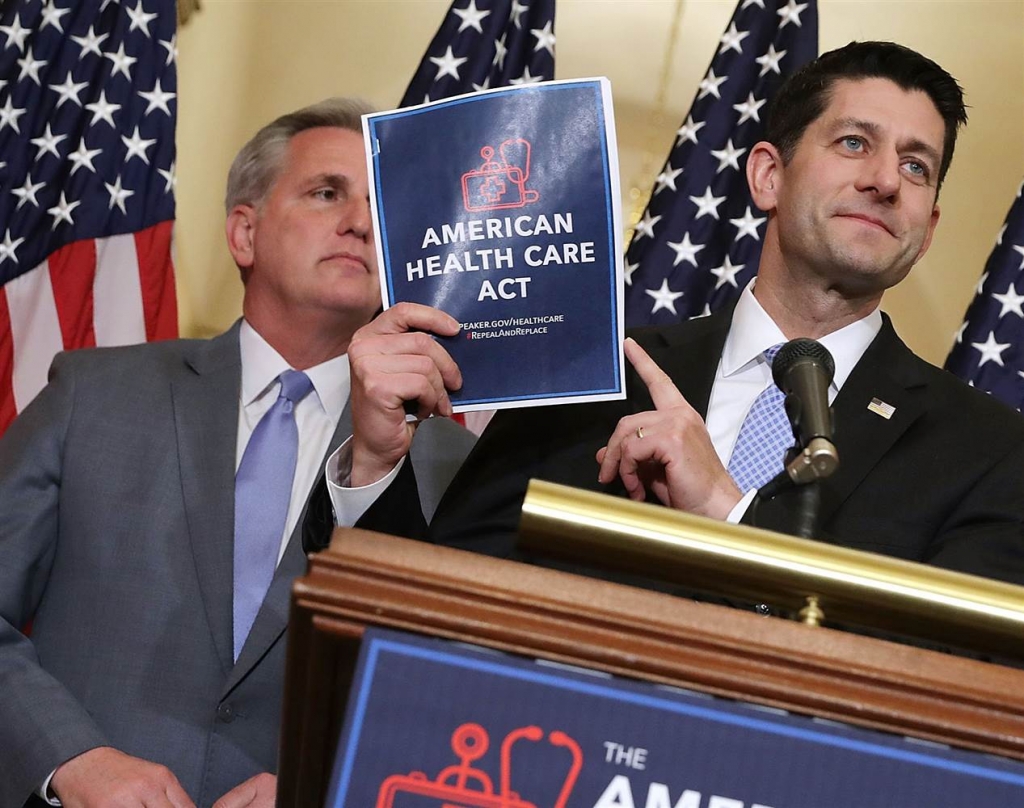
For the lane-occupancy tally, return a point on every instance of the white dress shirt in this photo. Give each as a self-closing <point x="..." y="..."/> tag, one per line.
<point x="316" y="416"/>
<point x="350" y="503"/>
<point x="743" y="372"/>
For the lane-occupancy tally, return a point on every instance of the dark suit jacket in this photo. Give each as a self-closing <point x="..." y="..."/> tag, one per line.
<point x="116" y="536"/>
<point x="941" y="481"/>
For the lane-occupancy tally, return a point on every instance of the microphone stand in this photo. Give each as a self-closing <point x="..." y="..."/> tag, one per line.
<point x="804" y="468"/>
<point x="808" y="508"/>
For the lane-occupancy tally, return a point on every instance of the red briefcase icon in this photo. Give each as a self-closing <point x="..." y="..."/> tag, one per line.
<point x="496" y="185"/>
<point x="454" y="786"/>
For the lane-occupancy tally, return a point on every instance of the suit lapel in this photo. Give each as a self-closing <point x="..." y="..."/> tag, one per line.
<point x="888" y="372"/>
<point x="205" y="400"/>
<point x="272" y="618"/>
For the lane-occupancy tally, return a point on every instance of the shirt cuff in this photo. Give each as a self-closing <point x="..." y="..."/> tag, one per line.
<point x="46" y="794"/>
<point x="740" y="508"/>
<point x="349" y="503"/>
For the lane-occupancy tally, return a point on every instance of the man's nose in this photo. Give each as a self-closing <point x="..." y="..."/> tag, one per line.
<point x="882" y="175"/>
<point x="356" y="218"/>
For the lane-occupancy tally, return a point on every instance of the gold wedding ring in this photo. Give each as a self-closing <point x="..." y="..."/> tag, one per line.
<point x="640" y="432"/>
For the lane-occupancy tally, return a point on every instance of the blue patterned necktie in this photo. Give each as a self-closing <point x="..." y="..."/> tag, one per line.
<point x="263" y="490"/>
<point x="764" y="437"/>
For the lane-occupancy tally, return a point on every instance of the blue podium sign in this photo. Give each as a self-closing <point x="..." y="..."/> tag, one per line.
<point x="502" y="208"/>
<point x="432" y="724"/>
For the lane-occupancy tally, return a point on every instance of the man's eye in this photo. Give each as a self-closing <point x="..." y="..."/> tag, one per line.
<point x="326" y="193"/>
<point x="853" y="143"/>
<point x="917" y="168"/>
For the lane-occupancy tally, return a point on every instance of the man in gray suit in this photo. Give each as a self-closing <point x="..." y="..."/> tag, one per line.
<point x="120" y="538"/>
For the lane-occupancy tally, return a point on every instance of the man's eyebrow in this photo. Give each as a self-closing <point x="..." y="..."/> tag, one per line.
<point x="872" y="128"/>
<point x="339" y="181"/>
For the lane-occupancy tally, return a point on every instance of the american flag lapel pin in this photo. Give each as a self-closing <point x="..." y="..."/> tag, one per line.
<point x="879" y="407"/>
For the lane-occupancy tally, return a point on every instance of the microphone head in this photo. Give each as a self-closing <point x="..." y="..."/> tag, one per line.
<point x="799" y="350"/>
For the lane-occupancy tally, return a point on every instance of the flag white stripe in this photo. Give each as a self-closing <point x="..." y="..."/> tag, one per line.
<point x="35" y="332"/>
<point x="118" y="316"/>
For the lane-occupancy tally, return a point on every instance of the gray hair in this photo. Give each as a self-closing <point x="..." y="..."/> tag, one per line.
<point x="256" y="167"/>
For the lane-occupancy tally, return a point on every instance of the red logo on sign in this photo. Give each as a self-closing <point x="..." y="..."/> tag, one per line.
<point x="500" y="184"/>
<point x="462" y="786"/>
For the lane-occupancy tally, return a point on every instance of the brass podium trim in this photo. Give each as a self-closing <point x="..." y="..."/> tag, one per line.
<point x="851" y="587"/>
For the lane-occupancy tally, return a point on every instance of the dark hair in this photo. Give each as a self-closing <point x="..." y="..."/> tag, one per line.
<point x="803" y="97"/>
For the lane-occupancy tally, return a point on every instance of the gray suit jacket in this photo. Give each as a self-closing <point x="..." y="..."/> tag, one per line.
<point x="116" y="535"/>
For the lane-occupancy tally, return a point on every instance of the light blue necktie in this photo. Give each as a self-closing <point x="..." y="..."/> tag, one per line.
<point x="263" y="490"/>
<point x="764" y="437"/>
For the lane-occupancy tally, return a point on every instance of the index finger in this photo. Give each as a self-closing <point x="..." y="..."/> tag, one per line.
<point x="663" y="392"/>
<point x="406" y="316"/>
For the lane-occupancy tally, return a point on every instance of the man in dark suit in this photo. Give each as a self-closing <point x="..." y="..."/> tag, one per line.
<point x="121" y="528"/>
<point x="856" y="148"/>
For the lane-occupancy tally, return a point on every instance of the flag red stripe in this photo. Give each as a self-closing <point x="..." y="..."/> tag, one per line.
<point x="156" y="278"/>
<point x="7" y="411"/>
<point x="72" y="275"/>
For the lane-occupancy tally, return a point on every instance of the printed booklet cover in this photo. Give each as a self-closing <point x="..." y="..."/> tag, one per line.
<point x="502" y="209"/>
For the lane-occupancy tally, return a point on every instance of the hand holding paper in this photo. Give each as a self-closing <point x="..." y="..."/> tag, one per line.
<point x="667" y="450"/>
<point x="393" y="360"/>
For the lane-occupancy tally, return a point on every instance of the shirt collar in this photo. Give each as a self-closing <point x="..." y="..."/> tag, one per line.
<point x="262" y="364"/>
<point x="753" y="331"/>
<point x="847" y="345"/>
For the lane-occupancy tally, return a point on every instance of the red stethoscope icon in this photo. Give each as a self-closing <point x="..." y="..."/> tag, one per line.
<point x="462" y="786"/>
<point x="499" y="184"/>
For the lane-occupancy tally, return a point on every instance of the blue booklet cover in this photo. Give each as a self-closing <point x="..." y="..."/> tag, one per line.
<point x="502" y="208"/>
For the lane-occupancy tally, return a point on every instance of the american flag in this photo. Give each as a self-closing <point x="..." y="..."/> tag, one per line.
<point x="699" y="240"/>
<point x="485" y="44"/>
<point x="988" y="350"/>
<point x="493" y="43"/>
<point x="87" y="113"/>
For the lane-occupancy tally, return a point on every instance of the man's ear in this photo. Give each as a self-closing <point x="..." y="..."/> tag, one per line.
<point x="240" y="229"/>
<point x="928" y="236"/>
<point x="764" y="175"/>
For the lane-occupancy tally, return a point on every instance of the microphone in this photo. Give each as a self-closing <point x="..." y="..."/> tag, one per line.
<point x="803" y="370"/>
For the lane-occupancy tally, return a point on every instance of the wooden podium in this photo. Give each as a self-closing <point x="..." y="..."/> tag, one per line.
<point x="367" y="580"/>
